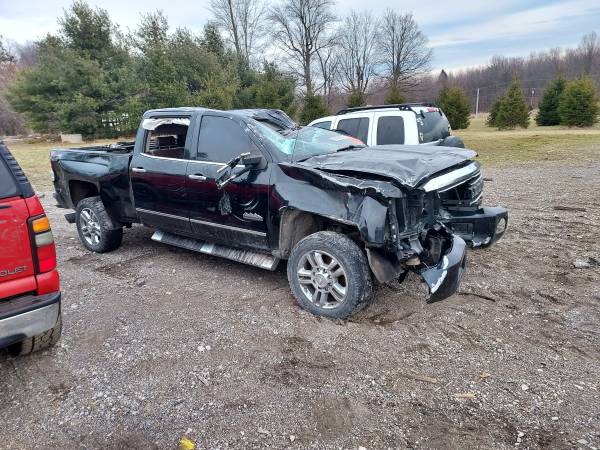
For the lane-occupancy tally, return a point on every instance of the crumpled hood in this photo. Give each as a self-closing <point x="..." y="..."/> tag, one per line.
<point x="407" y="164"/>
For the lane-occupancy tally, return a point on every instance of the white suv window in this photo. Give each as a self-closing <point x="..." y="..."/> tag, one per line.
<point x="326" y="124"/>
<point x="357" y="127"/>
<point x="390" y="130"/>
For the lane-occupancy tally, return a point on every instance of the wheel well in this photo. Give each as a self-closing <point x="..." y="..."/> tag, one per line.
<point x="78" y="190"/>
<point x="296" y="225"/>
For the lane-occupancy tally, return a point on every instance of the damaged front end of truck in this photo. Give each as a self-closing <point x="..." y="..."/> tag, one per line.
<point x="402" y="203"/>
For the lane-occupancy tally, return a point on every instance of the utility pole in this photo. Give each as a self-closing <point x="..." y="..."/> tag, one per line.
<point x="531" y="101"/>
<point x="477" y="105"/>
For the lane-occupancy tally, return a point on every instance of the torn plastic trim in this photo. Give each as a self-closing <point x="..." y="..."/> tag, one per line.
<point x="444" y="279"/>
<point x="153" y="124"/>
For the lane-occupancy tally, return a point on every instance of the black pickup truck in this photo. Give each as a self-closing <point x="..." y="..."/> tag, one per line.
<point x="252" y="186"/>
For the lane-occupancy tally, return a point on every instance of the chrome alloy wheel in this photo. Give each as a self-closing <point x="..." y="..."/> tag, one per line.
<point x="90" y="227"/>
<point x="322" y="279"/>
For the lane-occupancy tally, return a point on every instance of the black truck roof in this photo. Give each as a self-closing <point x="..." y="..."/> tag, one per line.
<point x="275" y="117"/>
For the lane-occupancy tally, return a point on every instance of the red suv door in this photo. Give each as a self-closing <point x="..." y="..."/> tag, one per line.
<point x="16" y="262"/>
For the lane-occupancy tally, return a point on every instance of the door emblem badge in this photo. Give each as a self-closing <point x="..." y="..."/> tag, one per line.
<point x="252" y="216"/>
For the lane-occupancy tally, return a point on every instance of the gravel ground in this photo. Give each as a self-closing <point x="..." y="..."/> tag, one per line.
<point x="159" y="343"/>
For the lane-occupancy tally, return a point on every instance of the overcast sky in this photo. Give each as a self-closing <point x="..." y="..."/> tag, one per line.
<point x="462" y="33"/>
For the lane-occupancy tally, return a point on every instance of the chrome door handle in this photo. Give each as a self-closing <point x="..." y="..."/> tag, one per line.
<point x="197" y="177"/>
<point x="138" y="169"/>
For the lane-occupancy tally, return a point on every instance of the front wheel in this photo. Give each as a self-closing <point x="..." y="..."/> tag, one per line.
<point x="329" y="275"/>
<point x="94" y="226"/>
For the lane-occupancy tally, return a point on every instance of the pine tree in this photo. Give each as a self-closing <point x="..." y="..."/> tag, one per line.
<point x="314" y="107"/>
<point x="548" y="109"/>
<point x="355" y="99"/>
<point x="493" y="115"/>
<point x="394" y="97"/>
<point x="455" y="104"/>
<point x="513" y="110"/>
<point x="578" y="105"/>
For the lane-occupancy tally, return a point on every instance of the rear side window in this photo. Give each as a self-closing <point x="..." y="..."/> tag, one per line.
<point x="390" y="130"/>
<point x="359" y="127"/>
<point x="8" y="187"/>
<point x="167" y="141"/>
<point x="222" y="139"/>
<point x="326" y="125"/>
<point x="432" y="126"/>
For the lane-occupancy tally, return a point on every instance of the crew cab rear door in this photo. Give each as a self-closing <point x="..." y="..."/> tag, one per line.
<point x="158" y="173"/>
<point x="237" y="214"/>
<point x="16" y="262"/>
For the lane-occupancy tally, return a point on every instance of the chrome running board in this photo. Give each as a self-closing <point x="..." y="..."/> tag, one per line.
<point x="261" y="260"/>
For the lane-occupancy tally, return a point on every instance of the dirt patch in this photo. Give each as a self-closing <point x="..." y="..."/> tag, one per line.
<point x="160" y="342"/>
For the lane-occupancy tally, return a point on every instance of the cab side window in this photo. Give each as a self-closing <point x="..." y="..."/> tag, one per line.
<point x="167" y="141"/>
<point x="222" y="139"/>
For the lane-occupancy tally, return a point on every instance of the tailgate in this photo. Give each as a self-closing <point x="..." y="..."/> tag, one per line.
<point x="16" y="263"/>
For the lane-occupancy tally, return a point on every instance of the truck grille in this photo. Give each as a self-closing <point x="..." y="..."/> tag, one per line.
<point x="468" y="193"/>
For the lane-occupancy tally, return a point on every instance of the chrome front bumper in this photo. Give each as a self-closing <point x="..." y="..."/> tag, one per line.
<point x="27" y="316"/>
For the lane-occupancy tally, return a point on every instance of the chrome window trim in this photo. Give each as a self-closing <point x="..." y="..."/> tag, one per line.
<point x="450" y="180"/>
<point x="163" y="157"/>
<point x="187" y="160"/>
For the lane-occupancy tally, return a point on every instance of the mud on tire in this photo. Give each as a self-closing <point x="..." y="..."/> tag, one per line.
<point x="329" y="262"/>
<point x="95" y="227"/>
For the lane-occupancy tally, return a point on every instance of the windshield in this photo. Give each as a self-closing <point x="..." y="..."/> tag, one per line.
<point x="308" y="141"/>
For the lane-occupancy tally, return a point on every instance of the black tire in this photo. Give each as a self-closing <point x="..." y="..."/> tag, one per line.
<point x="105" y="236"/>
<point x="39" y="342"/>
<point x="356" y="279"/>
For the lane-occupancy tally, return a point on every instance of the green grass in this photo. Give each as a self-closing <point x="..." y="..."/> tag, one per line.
<point x="495" y="148"/>
<point x="557" y="143"/>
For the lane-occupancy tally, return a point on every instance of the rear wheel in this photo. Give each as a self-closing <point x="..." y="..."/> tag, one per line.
<point x="95" y="226"/>
<point x="329" y="275"/>
<point x="39" y="342"/>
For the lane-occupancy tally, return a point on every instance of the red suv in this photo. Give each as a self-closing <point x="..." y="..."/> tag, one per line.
<point x="30" y="317"/>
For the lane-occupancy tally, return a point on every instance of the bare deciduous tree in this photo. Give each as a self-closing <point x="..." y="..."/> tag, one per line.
<point x="329" y="70"/>
<point x="244" y="22"/>
<point x="589" y="48"/>
<point x="358" y="45"/>
<point x="301" y="28"/>
<point x="402" y="48"/>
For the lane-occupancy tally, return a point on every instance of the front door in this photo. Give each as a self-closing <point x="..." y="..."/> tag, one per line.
<point x="158" y="176"/>
<point x="237" y="214"/>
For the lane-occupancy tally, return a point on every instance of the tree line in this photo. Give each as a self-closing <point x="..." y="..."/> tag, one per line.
<point x="94" y="79"/>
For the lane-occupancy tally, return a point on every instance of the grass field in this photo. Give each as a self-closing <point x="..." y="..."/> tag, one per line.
<point x="495" y="148"/>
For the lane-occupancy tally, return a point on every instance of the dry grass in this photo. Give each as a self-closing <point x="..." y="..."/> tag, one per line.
<point x="496" y="148"/>
<point x="500" y="148"/>
<point x="34" y="159"/>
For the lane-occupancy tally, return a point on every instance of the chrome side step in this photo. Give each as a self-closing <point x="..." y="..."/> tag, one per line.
<point x="261" y="260"/>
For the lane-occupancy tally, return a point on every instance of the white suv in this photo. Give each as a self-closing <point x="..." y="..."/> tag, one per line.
<point x="406" y="123"/>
